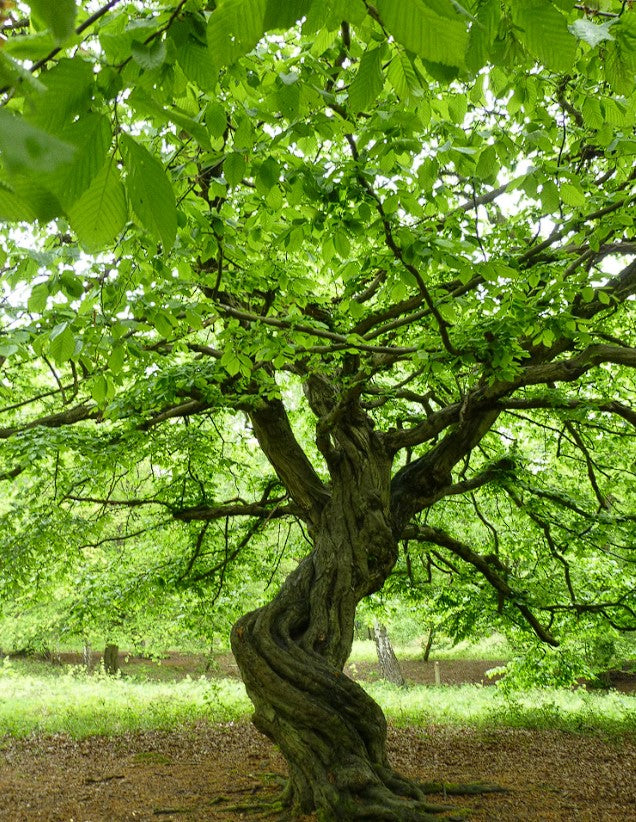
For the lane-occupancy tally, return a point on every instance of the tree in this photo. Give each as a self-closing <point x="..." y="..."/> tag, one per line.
<point x="398" y="240"/>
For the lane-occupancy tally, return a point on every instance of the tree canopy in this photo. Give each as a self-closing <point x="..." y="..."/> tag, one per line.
<point x="368" y="269"/>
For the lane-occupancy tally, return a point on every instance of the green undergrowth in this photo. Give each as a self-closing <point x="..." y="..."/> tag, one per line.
<point x="68" y="700"/>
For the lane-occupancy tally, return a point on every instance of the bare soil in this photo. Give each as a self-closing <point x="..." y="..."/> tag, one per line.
<point x="226" y="772"/>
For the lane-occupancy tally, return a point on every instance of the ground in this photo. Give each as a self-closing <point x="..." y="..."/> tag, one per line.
<point x="216" y="773"/>
<point x="219" y="772"/>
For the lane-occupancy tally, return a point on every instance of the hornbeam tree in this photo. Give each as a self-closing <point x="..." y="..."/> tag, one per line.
<point x="397" y="240"/>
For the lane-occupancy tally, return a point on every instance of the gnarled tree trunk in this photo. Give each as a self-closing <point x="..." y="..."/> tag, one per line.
<point x="291" y="653"/>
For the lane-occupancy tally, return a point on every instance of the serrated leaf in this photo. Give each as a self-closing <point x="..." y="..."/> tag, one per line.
<point x="403" y="77"/>
<point x="550" y="200"/>
<point x="38" y="297"/>
<point x="488" y="163"/>
<point x="234" y="28"/>
<point x="439" y="39"/>
<point x="62" y="346"/>
<point x="65" y="92"/>
<point x="283" y="15"/>
<point x="149" y="56"/>
<point x="620" y="60"/>
<point x="267" y="175"/>
<point x="368" y="82"/>
<point x="58" y="17"/>
<point x="91" y="136"/>
<point x="543" y="31"/>
<point x="195" y="60"/>
<point x="234" y="167"/>
<point x="150" y="192"/>
<point x="571" y="195"/>
<point x="215" y="119"/>
<point x="487" y="14"/>
<point x="101" y="212"/>
<point x="30" y="150"/>
<point x="592" y="33"/>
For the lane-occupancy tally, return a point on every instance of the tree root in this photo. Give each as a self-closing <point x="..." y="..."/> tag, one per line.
<point x="459" y="788"/>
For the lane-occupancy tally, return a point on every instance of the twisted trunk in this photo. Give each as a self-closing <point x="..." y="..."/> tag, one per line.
<point x="291" y="654"/>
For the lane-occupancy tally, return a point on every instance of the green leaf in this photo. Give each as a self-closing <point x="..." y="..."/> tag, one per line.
<point x="91" y="136"/>
<point x="27" y="149"/>
<point x="488" y="163"/>
<point x="150" y="192"/>
<point x="487" y="14"/>
<point x="403" y="77"/>
<point x="368" y="82"/>
<point x="620" y="61"/>
<point x="100" y="214"/>
<point x="66" y="92"/>
<point x="267" y="175"/>
<point x="571" y="195"/>
<point x="194" y="59"/>
<point x="149" y="56"/>
<point x="62" y="345"/>
<point x="590" y="32"/>
<point x="543" y="31"/>
<point x="283" y="15"/>
<point x="439" y="39"/>
<point x="37" y="300"/>
<point x="58" y="16"/>
<point x="215" y="119"/>
<point x="550" y="200"/>
<point x="234" y="28"/>
<point x="234" y="167"/>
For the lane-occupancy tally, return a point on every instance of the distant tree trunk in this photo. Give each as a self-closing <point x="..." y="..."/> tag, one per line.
<point x="87" y="655"/>
<point x="429" y="644"/>
<point x="111" y="659"/>
<point x="389" y="665"/>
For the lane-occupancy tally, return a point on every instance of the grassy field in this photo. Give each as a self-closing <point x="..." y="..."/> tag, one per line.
<point x="37" y="697"/>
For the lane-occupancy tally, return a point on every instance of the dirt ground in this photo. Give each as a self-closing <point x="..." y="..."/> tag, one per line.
<point x="219" y="772"/>
<point x="223" y="772"/>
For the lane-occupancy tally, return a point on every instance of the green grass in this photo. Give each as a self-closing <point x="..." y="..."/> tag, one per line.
<point x="73" y="702"/>
<point x="49" y="700"/>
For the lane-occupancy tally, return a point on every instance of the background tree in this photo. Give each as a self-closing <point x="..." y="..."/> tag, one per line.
<point x="398" y="241"/>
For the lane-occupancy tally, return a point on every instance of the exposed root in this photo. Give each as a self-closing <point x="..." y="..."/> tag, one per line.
<point x="459" y="788"/>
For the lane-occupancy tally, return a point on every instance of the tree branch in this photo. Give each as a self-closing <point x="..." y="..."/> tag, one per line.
<point x="488" y="569"/>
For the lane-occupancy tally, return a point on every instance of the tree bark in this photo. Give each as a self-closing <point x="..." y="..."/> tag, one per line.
<point x="111" y="659"/>
<point x="291" y="654"/>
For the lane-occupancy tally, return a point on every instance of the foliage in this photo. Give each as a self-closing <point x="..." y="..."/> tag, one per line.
<point x="416" y="211"/>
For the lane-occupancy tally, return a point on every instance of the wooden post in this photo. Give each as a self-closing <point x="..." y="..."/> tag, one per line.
<point x="438" y="679"/>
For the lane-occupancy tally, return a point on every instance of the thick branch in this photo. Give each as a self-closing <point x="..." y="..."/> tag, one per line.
<point x="280" y="446"/>
<point x="488" y="570"/>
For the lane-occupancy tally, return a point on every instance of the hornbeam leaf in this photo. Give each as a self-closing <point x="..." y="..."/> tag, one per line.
<point x="543" y="31"/>
<point x="437" y="38"/>
<point x="62" y="345"/>
<point x="234" y="28"/>
<point x="26" y="200"/>
<point x="91" y="136"/>
<point x="148" y="55"/>
<point x="27" y="149"/>
<point x="150" y="192"/>
<point x="403" y="77"/>
<point x="592" y="33"/>
<point x="368" y="82"/>
<point x="101" y="212"/>
<point x="58" y="17"/>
